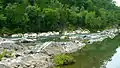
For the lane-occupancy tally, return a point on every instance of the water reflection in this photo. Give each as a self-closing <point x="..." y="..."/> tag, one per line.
<point x="95" y="55"/>
<point x="115" y="60"/>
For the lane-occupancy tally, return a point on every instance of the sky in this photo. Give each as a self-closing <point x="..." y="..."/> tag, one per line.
<point x="117" y="2"/>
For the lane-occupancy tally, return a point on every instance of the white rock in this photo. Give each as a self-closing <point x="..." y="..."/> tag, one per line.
<point x="63" y="37"/>
<point x="14" y="35"/>
<point x="26" y="35"/>
<point x="98" y="31"/>
<point x="78" y="31"/>
<point x="73" y="37"/>
<point x="33" y="35"/>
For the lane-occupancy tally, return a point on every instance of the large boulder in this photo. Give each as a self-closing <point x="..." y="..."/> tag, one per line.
<point x="62" y="47"/>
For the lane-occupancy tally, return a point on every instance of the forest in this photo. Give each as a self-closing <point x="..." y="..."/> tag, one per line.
<point x="20" y="16"/>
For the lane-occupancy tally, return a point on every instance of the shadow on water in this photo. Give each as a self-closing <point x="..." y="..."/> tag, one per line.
<point x="95" y="55"/>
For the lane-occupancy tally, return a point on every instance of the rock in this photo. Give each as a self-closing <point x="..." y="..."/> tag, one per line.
<point x="11" y="46"/>
<point x="4" y="66"/>
<point x="73" y="37"/>
<point x="38" y="60"/>
<point x="111" y="33"/>
<point x="17" y="35"/>
<point x="84" y="32"/>
<point x="65" y="33"/>
<point x="25" y="40"/>
<point x="63" y="37"/>
<point x="98" y="31"/>
<point x="95" y="40"/>
<point x="62" y="47"/>
<point x="26" y="35"/>
<point x="29" y="52"/>
<point x="32" y="36"/>
<point x="48" y="34"/>
<point x="56" y="33"/>
<point x="78" y="31"/>
<point x="3" y="40"/>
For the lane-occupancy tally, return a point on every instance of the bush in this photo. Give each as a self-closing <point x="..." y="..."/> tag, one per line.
<point x="5" y="54"/>
<point x="17" y="30"/>
<point x="63" y="59"/>
<point x="5" y="30"/>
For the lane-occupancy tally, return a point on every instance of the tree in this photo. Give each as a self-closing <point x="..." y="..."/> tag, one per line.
<point x="57" y="15"/>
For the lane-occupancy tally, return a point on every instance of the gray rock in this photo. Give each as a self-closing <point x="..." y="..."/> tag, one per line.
<point x="10" y="46"/>
<point x="3" y="66"/>
<point x="38" y="60"/>
<point x="62" y="47"/>
<point x="25" y="40"/>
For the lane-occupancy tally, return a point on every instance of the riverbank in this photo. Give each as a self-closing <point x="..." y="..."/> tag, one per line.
<point x="40" y="55"/>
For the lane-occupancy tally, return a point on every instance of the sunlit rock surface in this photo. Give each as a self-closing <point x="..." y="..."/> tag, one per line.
<point x="62" y="47"/>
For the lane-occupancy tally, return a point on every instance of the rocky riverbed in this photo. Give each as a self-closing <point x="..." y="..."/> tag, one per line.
<point x="26" y="53"/>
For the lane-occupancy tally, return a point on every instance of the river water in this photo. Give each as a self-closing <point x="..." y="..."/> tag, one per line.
<point x="104" y="54"/>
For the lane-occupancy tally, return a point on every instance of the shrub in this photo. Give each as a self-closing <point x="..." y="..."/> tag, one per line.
<point x="5" y="30"/>
<point x="5" y="53"/>
<point x="17" y="30"/>
<point x="63" y="59"/>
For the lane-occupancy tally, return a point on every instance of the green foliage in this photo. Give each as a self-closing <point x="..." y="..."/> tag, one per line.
<point x="63" y="59"/>
<point x="2" y="17"/>
<point x="57" y="15"/>
<point x="5" y="53"/>
<point x="17" y="30"/>
<point x="71" y="27"/>
<point x="5" y="30"/>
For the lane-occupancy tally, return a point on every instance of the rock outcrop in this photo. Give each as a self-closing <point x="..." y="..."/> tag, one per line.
<point x="62" y="47"/>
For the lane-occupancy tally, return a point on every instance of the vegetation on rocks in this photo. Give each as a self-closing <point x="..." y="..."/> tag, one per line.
<point x="63" y="59"/>
<point x="5" y="54"/>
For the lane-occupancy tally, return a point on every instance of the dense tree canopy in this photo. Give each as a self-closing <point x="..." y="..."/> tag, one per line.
<point x="56" y="15"/>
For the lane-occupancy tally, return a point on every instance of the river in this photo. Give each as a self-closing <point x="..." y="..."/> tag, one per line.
<point x="104" y="54"/>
